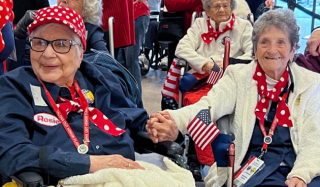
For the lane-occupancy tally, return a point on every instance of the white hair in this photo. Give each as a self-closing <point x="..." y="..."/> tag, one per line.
<point x="207" y="4"/>
<point x="92" y="11"/>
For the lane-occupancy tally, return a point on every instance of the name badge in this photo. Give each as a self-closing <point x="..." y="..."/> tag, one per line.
<point x="253" y="166"/>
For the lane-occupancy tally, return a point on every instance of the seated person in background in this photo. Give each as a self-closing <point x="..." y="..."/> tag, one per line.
<point x="202" y="46"/>
<point x="311" y="58"/>
<point x="49" y="110"/>
<point x="274" y="106"/>
<point x="91" y="12"/>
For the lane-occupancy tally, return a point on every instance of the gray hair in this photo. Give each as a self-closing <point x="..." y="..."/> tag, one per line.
<point x="207" y="4"/>
<point x="281" y="19"/>
<point x="92" y="11"/>
<point x="37" y="31"/>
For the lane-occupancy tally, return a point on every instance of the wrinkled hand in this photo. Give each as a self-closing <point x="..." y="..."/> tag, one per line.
<point x="313" y="43"/>
<point x="162" y="127"/>
<point x="269" y="3"/>
<point x="99" y="162"/>
<point x="295" y="182"/>
<point x="207" y="67"/>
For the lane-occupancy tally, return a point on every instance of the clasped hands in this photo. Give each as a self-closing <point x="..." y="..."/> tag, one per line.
<point x="162" y="127"/>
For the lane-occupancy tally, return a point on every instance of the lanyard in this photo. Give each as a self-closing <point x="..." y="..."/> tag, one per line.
<point x="82" y="148"/>
<point x="268" y="138"/>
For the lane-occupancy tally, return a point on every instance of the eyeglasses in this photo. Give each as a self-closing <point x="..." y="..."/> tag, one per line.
<point x="218" y="6"/>
<point x="61" y="46"/>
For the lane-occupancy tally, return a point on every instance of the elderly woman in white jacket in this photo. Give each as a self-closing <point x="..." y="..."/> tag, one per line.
<point x="274" y="105"/>
<point x="201" y="46"/>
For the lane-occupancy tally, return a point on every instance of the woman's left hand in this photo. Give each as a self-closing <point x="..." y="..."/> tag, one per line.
<point x="295" y="182"/>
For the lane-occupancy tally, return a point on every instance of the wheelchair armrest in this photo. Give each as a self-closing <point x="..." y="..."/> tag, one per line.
<point x="143" y="144"/>
<point x="181" y="63"/>
<point x="224" y="125"/>
<point x="28" y="179"/>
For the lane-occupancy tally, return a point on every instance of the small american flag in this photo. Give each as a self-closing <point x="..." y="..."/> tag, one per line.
<point x="202" y="130"/>
<point x="214" y="76"/>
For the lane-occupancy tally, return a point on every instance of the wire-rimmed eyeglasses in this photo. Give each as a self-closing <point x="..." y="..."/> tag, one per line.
<point x="59" y="45"/>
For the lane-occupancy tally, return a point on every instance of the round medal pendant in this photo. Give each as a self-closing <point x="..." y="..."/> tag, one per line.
<point x="267" y="140"/>
<point x="83" y="149"/>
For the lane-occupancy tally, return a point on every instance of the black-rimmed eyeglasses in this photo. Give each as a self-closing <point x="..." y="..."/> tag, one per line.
<point x="59" y="45"/>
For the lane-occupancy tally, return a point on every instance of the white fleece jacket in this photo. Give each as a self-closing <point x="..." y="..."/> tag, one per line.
<point x="236" y="94"/>
<point x="196" y="52"/>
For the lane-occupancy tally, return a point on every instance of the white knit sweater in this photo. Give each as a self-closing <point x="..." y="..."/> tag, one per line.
<point x="196" y="52"/>
<point x="236" y="94"/>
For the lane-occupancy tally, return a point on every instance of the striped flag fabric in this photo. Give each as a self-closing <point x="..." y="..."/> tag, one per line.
<point x="172" y="80"/>
<point x="202" y="130"/>
<point x="215" y="75"/>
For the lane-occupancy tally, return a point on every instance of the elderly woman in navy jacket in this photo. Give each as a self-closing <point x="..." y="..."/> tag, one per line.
<point x="274" y="106"/>
<point x="63" y="116"/>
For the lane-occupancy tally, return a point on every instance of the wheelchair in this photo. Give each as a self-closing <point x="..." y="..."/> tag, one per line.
<point x="142" y="144"/>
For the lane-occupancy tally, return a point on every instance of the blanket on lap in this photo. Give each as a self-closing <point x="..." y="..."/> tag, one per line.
<point x="152" y="176"/>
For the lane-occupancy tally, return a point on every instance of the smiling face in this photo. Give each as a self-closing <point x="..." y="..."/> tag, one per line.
<point x="76" y="5"/>
<point x="274" y="51"/>
<point x="51" y="66"/>
<point x="220" y="11"/>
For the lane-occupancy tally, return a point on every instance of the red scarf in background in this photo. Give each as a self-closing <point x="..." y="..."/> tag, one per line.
<point x="208" y="37"/>
<point x="6" y="15"/>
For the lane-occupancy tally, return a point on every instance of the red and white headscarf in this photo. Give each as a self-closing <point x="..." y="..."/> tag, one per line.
<point x="61" y="15"/>
<point x="6" y="15"/>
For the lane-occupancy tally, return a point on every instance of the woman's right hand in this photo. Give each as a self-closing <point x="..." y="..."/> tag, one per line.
<point x="208" y="67"/>
<point x="98" y="162"/>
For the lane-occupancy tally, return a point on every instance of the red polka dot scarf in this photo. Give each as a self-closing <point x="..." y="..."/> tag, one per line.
<point x="208" y="37"/>
<point x="61" y="15"/>
<point x="6" y="15"/>
<point x="282" y="113"/>
<point x="96" y="116"/>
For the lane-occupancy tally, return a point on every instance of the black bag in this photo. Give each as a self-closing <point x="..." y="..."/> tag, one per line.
<point x="171" y="26"/>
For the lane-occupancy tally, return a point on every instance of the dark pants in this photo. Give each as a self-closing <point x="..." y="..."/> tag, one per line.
<point x="278" y="178"/>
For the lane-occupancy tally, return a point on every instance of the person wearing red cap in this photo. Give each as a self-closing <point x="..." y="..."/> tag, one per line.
<point x="6" y="34"/>
<point x="64" y="116"/>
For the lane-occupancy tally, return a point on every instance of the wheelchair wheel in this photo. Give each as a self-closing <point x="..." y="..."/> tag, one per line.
<point x="144" y="65"/>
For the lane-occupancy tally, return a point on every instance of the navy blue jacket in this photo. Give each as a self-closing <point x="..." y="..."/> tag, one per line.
<point x="23" y="140"/>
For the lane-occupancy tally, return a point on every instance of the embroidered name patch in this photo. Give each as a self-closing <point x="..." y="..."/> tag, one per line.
<point x="46" y="119"/>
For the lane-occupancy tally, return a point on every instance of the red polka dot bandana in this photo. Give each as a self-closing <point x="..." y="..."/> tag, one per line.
<point x="61" y="15"/>
<point x="6" y="15"/>
<point x="208" y="37"/>
<point x="282" y="112"/>
<point x="96" y="116"/>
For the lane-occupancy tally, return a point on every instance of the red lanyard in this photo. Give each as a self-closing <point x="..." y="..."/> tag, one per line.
<point x="82" y="148"/>
<point x="268" y="138"/>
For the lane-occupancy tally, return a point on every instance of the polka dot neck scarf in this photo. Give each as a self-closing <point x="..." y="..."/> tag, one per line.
<point x="208" y="37"/>
<point x="6" y="15"/>
<point x="282" y="110"/>
<point x="96" y="116"/>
